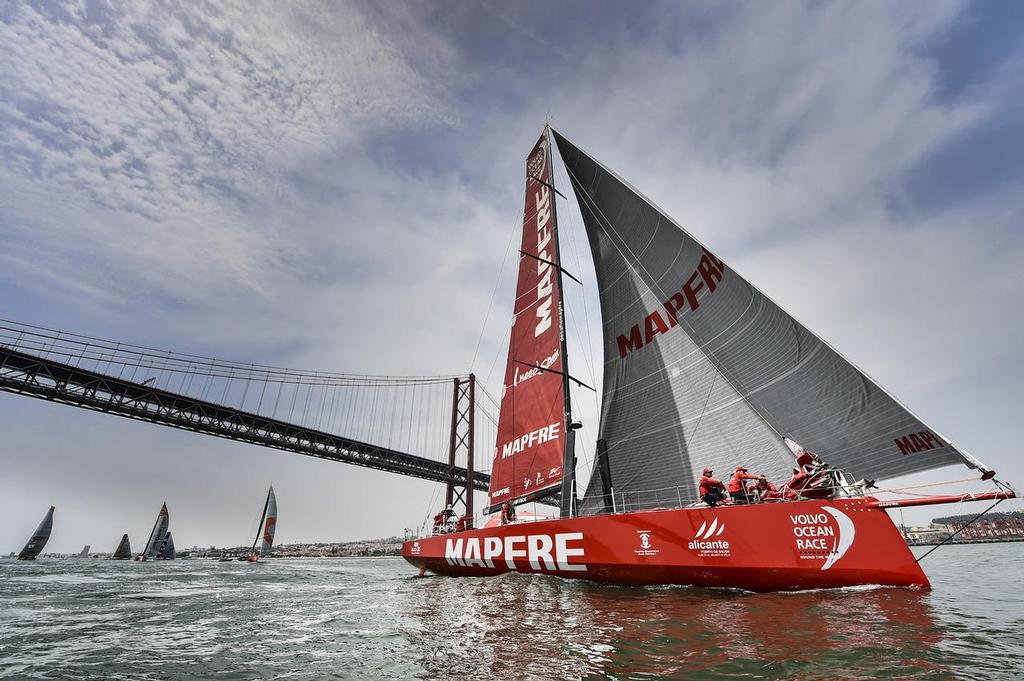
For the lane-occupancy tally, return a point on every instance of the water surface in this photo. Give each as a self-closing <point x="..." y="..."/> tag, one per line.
<point x="373" y="619"/>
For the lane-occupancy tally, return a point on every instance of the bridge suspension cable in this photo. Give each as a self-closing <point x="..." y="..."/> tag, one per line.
<point x="406" y="418"/>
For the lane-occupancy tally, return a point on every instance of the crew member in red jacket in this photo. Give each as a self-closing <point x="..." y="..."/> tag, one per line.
<point x="738" y="488"/>
<point x="712" y="491"/>
<point x="766" y="491"/>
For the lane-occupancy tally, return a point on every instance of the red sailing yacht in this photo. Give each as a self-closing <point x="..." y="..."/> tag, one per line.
<point x="701" y="369"/>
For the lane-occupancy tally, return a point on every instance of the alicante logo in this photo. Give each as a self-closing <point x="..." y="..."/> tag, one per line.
<point x="825" y="536"/>
<point x="645" y="540"/>
<point x="706" y="541"/>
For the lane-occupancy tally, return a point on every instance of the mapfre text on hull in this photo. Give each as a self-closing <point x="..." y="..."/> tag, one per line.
<point x="764" y="547"/>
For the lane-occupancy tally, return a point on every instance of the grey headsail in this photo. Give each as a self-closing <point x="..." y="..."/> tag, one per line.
<point x="269" y="524"/>
<point x="123" y="550"/>
<point x="156" y="537"/>
<point x="166" y="551"/>
<point x="703" y="370"/>
<point x="39" y="538"/>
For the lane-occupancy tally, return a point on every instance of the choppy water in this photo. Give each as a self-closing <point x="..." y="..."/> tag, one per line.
<point x="372" y="619"/>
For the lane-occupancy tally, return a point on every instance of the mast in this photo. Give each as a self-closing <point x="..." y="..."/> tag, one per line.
<point x="263" y="519"/>
<point x="568" y="492"/>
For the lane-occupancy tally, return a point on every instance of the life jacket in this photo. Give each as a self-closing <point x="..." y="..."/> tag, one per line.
<point x="736" y="481"/>
<point x="707" y="484"/>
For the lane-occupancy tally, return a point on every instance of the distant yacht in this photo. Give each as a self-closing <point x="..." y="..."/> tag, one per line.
<point x="84" y="553"/>
<point x="159" y="539"/>
<point x="39" y="538"/>
<point x="123" y="550"/>
<point x="167" y="551"/>
<point x="268" y="524"/>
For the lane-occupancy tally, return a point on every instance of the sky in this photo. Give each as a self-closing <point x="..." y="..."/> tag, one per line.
<point x="334" y="186"/>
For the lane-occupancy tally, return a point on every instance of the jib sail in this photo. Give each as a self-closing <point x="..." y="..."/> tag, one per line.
<point x="532" y="423"/>
<point x="39" y="538"/>
<point x="702" y="369"/>
<point x="157" y="536"/>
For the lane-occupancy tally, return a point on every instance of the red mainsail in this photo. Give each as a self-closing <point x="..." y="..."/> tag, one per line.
<point x="528" y="456"/>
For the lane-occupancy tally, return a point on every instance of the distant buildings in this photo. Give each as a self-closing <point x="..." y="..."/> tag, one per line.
<point x="992" y="527"/>
<point x="390" y="546"/>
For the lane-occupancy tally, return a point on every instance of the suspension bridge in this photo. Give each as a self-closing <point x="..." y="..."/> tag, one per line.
<point x="419" y="426"/>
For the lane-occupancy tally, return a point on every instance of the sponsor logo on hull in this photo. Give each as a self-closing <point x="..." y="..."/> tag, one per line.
<point x="542" y="552"/>
<point x="706" y="541"/>
<point x="647" y="548"/>
<point x="826" y="535"/>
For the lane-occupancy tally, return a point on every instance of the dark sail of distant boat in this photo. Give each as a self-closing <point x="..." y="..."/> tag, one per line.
<point x="84" y="553"/>
<point x="268" y="524"/>
<point x="123" y="550"/>
<point x="157" y="536"/>
<point x="39" y="538"/>
<point x="166" y="548"/>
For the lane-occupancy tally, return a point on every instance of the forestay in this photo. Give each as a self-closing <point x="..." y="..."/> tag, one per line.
<point x="702" y="369"/>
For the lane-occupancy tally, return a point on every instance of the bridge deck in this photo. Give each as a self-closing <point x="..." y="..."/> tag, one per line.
<point x="35" y="376"/>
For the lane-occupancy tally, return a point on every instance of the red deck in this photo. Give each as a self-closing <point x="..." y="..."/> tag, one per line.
<point x="762" y="547"/>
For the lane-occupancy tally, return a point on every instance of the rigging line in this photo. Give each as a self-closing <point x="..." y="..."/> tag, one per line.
<point x="696" y="427"/>
<point x="240" y="372"/>
<point x="497" y="355"/>
<point x="556" y="266"/>
<point x="555" y="371"/>
<point x="494" y="293"/>
<point x="894" y="490"/>
<point x="709" y="354"/>
<point x="968" y="524"/>
<point x="64" y="338"/>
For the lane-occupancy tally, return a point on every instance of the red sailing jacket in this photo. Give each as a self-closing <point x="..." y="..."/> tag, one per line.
<point x="736" y="481"/>
<point x="707" y="484"/>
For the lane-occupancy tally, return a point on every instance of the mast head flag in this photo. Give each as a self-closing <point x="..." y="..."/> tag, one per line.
<point x="528" y="456"/>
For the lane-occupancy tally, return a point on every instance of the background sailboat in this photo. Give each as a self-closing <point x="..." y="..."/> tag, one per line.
<point x="123" y="550"/>
<point x="265" y="532"/>
<point x="157" y="536"/>
<point x="39" y="538"/>
<point x="167" y="551"/>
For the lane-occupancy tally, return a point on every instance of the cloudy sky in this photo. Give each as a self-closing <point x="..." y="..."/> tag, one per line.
<point x="333" y="186"/>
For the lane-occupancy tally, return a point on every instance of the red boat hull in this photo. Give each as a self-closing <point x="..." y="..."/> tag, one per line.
<point x="763" y="547"/>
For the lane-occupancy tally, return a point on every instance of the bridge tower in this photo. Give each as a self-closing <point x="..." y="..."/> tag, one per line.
<point x="463" y="408"/>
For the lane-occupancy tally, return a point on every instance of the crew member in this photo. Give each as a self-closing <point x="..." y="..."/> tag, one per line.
<point x="712" y="491"/>
<point x="449" y="518"/>
<point x="438" y="523"/>
<point x="738" y="488"/>
<point x="766" y="491"/>
<point x="508" y="513"/>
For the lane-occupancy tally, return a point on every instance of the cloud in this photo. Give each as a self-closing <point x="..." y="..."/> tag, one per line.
<point x="166" y="129"/>
<point x="334" y="186"/>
